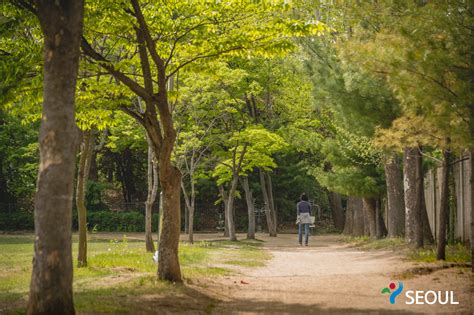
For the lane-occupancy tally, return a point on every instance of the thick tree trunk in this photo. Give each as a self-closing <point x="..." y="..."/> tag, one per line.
<point x="51" y="279"/>
<point x="271" y="202"/>
<point x="396" y="204"/>
<point x="444" y="207"/>
<point x="152" y="181"/>
<point x="410" y="192"/>
<point x="369" y="205"/>
<point x="349" y="222"/>
<point x="168" y="265"/>
<point x="87" y="149"/>
<point x="250" y="207"/>
<point x="358" y="216"/>
<point x="381" y="229"/>
<point x="337" y="211"/>
<point x="266" y="200"/>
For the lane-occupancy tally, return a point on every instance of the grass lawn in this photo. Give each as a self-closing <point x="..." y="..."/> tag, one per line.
<point x="120" y="273"/>
<point x="455" y="253"/>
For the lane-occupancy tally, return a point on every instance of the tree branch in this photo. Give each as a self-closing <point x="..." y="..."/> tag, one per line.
<point x="107" y="65"/>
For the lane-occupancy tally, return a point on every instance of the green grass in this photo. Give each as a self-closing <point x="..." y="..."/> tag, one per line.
<point x="119" y="268"/>
<point x="455" y="253"/>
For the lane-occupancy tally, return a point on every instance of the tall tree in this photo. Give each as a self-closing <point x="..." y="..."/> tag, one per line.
<point x="51" y="280"/>
<point x="167" y="39"/>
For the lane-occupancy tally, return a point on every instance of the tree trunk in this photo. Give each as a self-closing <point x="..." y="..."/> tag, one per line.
<point x="82" y="176"/>
<point x="225" y="200"/>
<point x="369" y="205"/>
<point x="396" y="204"/>
<point x="268" y="212"/>
<point x="168" y="265"/>
<point x="381" y="229"/>
<point x="189" y="201"/>
<point x="337" y="211"/>
<point x="358" y="216"/>
<point x="444" y="207"/>
<point x="250" y="207"/>
<point x="191" y="217"/>
<point x="349" y="222"/>
<point x="230" y="208"/>
<point x="410" y="192"/>
<point x="152" y="181"/>
<point x="271" y="202"/>
<point x="427" y="233"/>
<point x="228" y="198"/>
<point x="425" y="224"/>
<point x="51" y="279"/>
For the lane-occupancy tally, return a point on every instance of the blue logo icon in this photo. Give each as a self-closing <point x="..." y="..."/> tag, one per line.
<point x="395" y="293"/>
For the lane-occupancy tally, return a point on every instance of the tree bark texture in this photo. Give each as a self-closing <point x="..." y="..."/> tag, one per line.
<point x="444" y="207"/>
<point x="369" y="205"/>
<point x="51" y="280"/>
<point x="87" y="150"/>
<point x="358" y="215"/>
<point x="335" y="203"/>
<point x="267" y="206"/>
<point x="250" y="207"/>
<point x="348" y="225"/>
<point x="228" y="197"/>
<point x="271" y="200"/>
<point x="168" y="264"/>
<point x="395" y="199"/>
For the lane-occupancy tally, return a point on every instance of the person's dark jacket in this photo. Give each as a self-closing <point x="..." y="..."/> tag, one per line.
<point x="303" y="207"/>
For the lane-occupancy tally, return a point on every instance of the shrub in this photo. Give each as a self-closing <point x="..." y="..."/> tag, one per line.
<point x="100" y="221"/>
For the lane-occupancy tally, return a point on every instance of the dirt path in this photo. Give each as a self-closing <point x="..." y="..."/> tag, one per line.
<point x="328" y="276"/>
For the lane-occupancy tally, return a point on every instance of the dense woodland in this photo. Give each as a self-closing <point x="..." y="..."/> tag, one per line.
<point x="228" y="112"/>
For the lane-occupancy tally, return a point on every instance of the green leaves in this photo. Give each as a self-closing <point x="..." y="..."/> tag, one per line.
<point x="259" y="145"/>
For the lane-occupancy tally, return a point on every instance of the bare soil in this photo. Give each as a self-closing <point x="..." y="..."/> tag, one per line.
<point x="329" y="276"/>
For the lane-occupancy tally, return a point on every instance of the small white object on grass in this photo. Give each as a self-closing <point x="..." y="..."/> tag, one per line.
<point x="155" y="257"/>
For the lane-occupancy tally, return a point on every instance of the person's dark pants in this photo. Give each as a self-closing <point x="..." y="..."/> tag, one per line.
<point x="306" y="233"/>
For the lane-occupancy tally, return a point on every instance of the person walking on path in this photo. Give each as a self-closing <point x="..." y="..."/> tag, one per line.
<point x="303" y="212"/>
